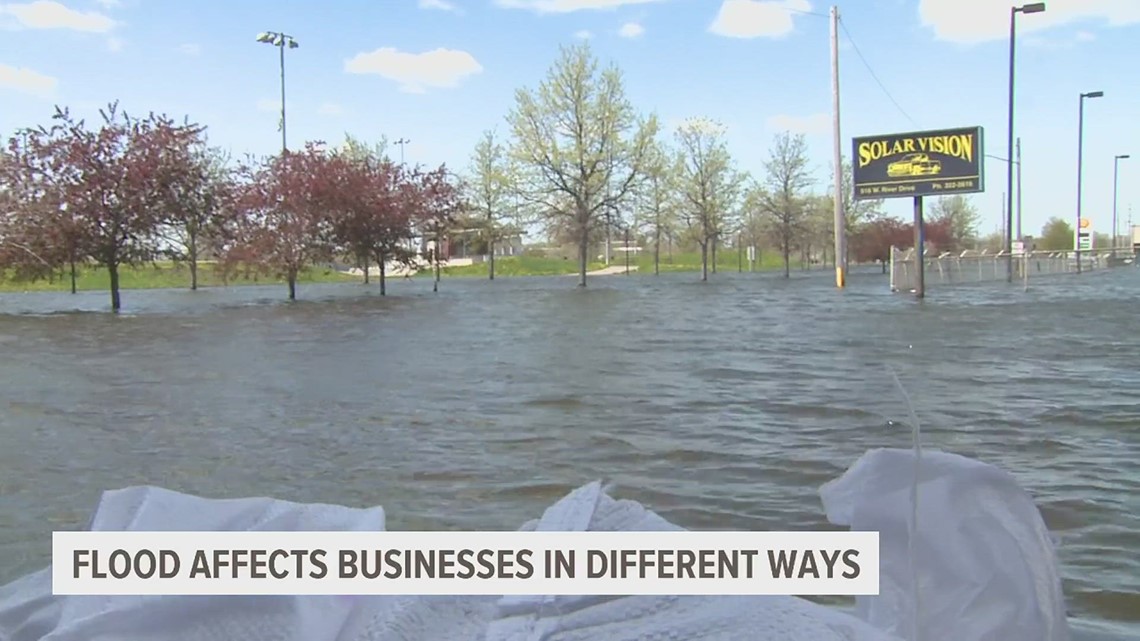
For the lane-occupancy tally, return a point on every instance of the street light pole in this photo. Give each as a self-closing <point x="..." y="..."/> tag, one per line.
<point x="1115" y="185"/>
<point x="1080" y="167"/>
<point x="401" y="142"/>
<point x="1036" y="7"/>
<point x="281" y="41"/>
<point x="1020" y="237"/>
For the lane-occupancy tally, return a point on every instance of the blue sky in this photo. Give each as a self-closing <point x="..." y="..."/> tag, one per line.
<point x="439" y="72"/>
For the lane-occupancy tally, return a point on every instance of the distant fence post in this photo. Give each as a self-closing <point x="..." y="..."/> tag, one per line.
<point x="892" y="268"/>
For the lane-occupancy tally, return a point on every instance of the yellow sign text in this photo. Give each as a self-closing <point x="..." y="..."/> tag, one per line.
<point x="959" y="146"/>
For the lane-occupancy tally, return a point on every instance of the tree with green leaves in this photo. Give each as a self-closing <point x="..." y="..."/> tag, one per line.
<point x="579" y="145"/>
<point x="961" y="217"/>
<point x="781" y="199"/>
<point x="489" y="189"/>
<point x="708" y="185"/>
<point x="1056" y="235"/>
<point x="657" y="210"/>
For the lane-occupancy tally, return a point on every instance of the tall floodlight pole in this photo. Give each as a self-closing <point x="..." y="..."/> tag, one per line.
<point x="1080" y="167"/>
<point x="281" y="41"/>
<point x="840" y="217"/>
<point x="1036" y="7"/>
<point x="1115" y="189"/>
<point x="401" y="142"/>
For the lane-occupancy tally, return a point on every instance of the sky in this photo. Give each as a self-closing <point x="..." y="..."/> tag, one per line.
<point x="438" y="73"/>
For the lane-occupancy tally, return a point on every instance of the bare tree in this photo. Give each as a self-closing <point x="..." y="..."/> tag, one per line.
<point x="707" y="184"/>
<point x="580" y="146"/>
<point x="781" y="200"/>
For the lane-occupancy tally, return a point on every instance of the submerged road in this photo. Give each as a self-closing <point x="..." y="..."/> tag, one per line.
<point x="720" y="405"/>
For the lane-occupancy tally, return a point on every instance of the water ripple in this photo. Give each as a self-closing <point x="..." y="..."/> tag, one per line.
<point x="721" y="405"/>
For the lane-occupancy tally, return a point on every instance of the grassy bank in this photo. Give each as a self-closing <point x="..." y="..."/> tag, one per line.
<point x="165" y="275"/>
<point x="158" y="276"/>
<point x="540" y="266"/>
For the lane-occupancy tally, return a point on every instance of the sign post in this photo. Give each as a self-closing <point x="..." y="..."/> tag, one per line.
<point x="923" y="163"/>
<point x="1084" y="238"/>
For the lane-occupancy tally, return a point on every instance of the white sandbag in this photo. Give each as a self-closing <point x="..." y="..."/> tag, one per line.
<point x="588" y="618"/>
<point x="873" y="494"/>
<point x="28" y="612"/>
<point x="985" y="561"/>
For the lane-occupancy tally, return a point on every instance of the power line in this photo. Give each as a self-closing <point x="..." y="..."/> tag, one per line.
<point x="875" y="76"/>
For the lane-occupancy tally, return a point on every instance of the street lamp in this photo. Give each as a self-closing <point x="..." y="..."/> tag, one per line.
<point x="401" y="142"/>
<point x="281" y="41"/>
<point x="1080" y="165"/>
<point x="1115" y="174"/>
<point x="1034" y="7"/>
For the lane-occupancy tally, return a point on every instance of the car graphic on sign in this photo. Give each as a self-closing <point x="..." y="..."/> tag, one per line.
<point x="914" y="165"/>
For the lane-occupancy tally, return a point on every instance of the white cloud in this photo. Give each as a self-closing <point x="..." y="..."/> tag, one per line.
<point x="583" y="34"/>
<point x="757" y="18"/>
<point x="27" y="81"/>
<point x="631" y="30"/>
<point x="1039" y="41"/>
<point x="330" y="109"/>
<point x="45" y="14"/>
<point x="190" y="49"/>
<point x="441" y="5"/>
<point x="567" y="6"/>
<point x="809" y="125"/>
<point x="115" y="44"/>
<point x="975" y="21"/>
<point x="415" y="72"/>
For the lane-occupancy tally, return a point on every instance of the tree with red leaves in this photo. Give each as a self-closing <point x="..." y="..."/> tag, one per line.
<point x="284" y="226"/>
<point x="198" y="206"/>
<point x="370" y="222"/>
<point x="98" y="193"/>
<point x="39" y="235"/>
<point x="873" y="239"/>
<point x="435" y="202"/>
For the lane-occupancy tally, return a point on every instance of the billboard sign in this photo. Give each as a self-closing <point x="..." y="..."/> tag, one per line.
<point x="922" y="163"/>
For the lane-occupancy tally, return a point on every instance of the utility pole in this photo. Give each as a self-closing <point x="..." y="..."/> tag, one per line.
<point x="1020" y="238"/>
<point x="1003" y="215"/>
<point x="840" y="217"/>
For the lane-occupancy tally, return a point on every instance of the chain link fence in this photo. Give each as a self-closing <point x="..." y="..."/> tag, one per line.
<point x="973" y="266"/>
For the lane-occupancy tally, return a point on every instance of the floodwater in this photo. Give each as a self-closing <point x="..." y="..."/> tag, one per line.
<point x="720" y="405"/>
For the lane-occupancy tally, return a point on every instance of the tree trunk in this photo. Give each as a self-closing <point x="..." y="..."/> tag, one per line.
<point x="193" y="255"/>
<point x="705" y="261"/>
<point x="74" y="276"/>
<point x="657" y="252"/>
<point x="583" y="254"/>
<point x="884" y="264"/>
<point x="713" y="241"/>
<point x="491" y="251"/>
<point x="383" y="280"/>
<point x="292" y="284"/>
<point x="787" y="260"/>
<point x="113" y="272"/>
<point x="362" y="259"/>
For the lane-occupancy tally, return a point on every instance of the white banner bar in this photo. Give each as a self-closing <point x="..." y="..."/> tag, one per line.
<point x="465" y="563"/>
